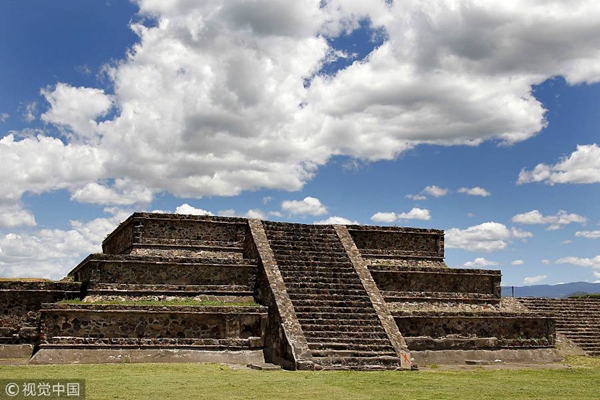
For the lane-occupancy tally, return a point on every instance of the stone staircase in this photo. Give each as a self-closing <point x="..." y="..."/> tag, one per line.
<point x="576" y="319"/>
<point x="334" y="310"/>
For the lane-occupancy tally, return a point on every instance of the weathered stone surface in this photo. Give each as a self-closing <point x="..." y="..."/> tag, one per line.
<point x="144" y="355"/>
<point x="284" y="339"/>
<point x="148" y="325"/>
<point x="423" y="280"/>
<point x="168" y="232"/>
<point x="337" y="297"/>
<point x="375" y="296"/>
<point x="99" y="268"/>
<point x="577" y="319"/>
<point x="396" y="242"/>
<point x="20" y="302"/>
<point x="451" y="330"/>
<point x="333" y="308"/>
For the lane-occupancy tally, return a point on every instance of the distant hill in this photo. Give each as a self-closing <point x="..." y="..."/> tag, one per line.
<point x="561" y="290"/>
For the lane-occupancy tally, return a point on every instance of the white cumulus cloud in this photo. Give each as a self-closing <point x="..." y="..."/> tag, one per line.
<point x="480" y="262"/>
<point x="307" y="206"/>
<point x="582" y="166"/>
<point x="593" y="262"/>
<point x="532" y="280"/>
<point x="76" y="108"/>
<point x="517" y="262"/>
<point x="557" y="221"/>
<point x="433" y="191"/>
<point x="588" y="234"/>
<point x="415" y="214"/>
<point x="222" y="97"/>
<point x="488" y="237"/>
<point x="334" y="220"/>
<point x="475" y="191"/>
<point x="190" y="210"/>
<point x="51" y="253"/>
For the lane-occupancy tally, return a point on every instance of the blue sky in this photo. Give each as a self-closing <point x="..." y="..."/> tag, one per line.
<point x="478" y="119"/>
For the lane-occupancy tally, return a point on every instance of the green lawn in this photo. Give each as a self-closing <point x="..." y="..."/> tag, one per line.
<point x="211" y="381"/>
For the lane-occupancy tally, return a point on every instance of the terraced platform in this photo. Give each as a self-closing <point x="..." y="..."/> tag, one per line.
<point x="301" y="296"/>
<point x="576" y="319"/>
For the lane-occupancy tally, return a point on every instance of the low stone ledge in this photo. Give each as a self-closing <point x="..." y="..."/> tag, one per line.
<point x="107" y="322"/>
<point x="430" y="271"/>
<point x="122" y="342"/>
<point x="41" y="286"/>
<point x="459" y="357"/>
<point x="234" y="309"/>
<point x="467" y="314"/>
<point x="145" y="355"/>
<point x="421" y="343"/>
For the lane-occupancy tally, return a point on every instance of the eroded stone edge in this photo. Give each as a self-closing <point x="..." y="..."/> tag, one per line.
<point x="384" y="314"/>
<point x="291" y="325"/>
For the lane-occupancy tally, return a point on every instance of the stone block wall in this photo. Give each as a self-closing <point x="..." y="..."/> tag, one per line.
<point x="396" y="241"/>
<point x="394" y="278"/>
<point x="166" y="271"/>
<point x="21" y="301"/>
<point x="97" y="324"/>
<point x="152" y="229"/>
<point x="507" y="330"/>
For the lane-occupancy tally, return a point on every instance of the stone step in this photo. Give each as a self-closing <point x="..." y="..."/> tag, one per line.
<point x="300" y="273"/>
<point x="585" y="335"/>
<point x="589" y="346"/>
<point x="328" y="314"/>
<point x="299" y="229"/>
<point x="291" y="248"/>
<point x="592" y="331"/>
<point x="426" y="297"/>
<point x="331" y="335"/>
<point x="185" y="290"/>
<point x="314" y="236"/>
<point x="573" y="316"/>
<point x="340" y="345"/>
<point x="377" y="341"/>
<point x="363" y="320"/>
<point x="300" y="265"/>
<point x="304" y="242"/>
<point x="128" y="342"/>
<point x="575" y="326"/>
<point x="297" y="258"/>
<point x="304" y="247"/>
<point x="345" y="353"/>
<point x="351" y="281"/>
<point x="300" y="295"/>
<point x="378" y="362"/>
<point x="326" y="275"/>
<point x="349" y="288"/>
<point x="332" y="306"/>
<point x="342" y="325"/>
<point x="328" y="292"/>
<point x="590" y="339"/>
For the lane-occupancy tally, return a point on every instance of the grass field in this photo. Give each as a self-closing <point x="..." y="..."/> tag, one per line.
<point x="212" y="381"/>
